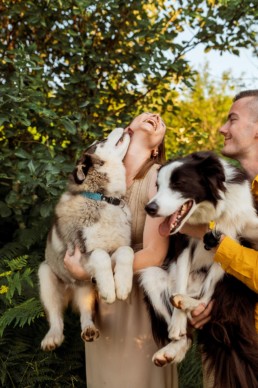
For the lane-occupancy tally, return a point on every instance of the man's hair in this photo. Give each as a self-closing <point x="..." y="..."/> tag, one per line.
<point x="253" y="104"/>
<point x="246" y="93"/>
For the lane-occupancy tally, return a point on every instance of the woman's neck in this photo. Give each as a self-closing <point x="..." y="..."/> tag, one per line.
<point x="133" y="161"/>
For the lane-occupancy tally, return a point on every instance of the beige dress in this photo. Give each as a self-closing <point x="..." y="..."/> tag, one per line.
<point x="121" y="357"/>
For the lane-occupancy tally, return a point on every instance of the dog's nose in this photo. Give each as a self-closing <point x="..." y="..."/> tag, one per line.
<point x="152" y="208"/>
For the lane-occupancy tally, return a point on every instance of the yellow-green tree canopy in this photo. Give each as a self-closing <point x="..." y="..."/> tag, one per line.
<point x="194" y="124"/>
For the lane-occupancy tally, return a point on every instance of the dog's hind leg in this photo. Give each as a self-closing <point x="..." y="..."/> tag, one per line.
<point x="178" y="324"/>
<point x="123" y="271"/>
<point x="100" y="267"/>
<point x="53" y="298"/>
<point x="84" y="300"/>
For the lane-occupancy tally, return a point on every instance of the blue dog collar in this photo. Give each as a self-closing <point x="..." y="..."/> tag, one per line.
<point x="101" y="197"/>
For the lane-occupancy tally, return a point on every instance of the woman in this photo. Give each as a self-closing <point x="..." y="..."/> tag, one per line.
<point x="121" y="357"/>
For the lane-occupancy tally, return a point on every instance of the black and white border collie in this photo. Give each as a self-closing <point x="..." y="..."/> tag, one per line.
<point x="197" y="189"/>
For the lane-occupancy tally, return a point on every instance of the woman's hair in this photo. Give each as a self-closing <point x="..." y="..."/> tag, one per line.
<point x="159" y="159"/>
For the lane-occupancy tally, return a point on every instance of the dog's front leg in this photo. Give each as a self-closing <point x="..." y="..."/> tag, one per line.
<point x="178" y="324"/>
<point x="100" y="267"/>
<point x="123" y="272"/>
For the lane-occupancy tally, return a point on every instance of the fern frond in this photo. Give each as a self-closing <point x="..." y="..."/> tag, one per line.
<point x="31" y="236"/>
<point x="24" y="313"/>
<point x="11" y="250"/>
<point x="15" y="282"/>
<point x="17" y="263"/>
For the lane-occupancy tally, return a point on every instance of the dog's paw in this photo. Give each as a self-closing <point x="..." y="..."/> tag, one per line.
<point x="52" y="340"/>
<point x="106" y="286"/>
<point x="123" y="292"/>
<point x="174" y="352"/>
<point x="109" y="296"/>
<point x="123" y="284"/>
<point x="107" y="293"/>
<point x="177" y="301"/>
<point x="184" y="302"/>
<point x="123" y="273"/>
<point x="90" y="334"/>
<point x="178" y="325"/>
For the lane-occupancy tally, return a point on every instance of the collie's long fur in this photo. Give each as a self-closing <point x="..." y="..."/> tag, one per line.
<point x="101" y="228"/>
<point x="199" y="188"/>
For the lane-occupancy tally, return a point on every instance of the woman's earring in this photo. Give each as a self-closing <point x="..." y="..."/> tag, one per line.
<point x="154" y="154"/>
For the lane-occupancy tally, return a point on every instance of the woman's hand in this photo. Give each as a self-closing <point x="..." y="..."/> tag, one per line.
<point x="74" y="266"/>
<point x="201" y="315"/>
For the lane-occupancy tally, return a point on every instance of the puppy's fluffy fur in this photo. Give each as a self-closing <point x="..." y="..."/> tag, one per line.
<point x="102" y="231"/>
<point x="199" y="188"/>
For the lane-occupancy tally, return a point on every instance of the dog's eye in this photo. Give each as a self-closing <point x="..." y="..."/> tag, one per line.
<point x="178" y="183"/>
<point x="99" y="163"/>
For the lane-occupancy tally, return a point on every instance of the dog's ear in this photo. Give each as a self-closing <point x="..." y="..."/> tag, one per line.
<point x="83" y="165"/>
<point x="212" y="170"/>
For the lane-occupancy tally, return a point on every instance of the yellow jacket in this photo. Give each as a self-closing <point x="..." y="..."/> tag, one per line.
<point x="240" y="261"/>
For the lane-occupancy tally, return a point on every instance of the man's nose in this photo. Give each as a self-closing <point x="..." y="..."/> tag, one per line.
<point x="223" y="130"/>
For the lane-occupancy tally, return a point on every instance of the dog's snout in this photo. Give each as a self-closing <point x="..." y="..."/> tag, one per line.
<point x="152" y="208"/>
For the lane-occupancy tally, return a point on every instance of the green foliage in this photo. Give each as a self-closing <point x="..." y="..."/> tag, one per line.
<point x="23" y="364"/>
<point x="24" y="313"/>
<point x="69" y="72"/>
<point x="190" y="369"/>
<point x="15" y="277"/>
<point x="200" y="112"/>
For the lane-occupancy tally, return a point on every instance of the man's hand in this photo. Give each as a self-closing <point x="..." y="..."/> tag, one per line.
<point x="201" y="315"/>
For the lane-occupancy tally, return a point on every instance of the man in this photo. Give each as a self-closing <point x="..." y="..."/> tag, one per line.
<point x="241" y="143"/>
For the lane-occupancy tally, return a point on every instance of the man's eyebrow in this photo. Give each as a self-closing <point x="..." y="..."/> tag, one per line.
<point x="232" y="115"/>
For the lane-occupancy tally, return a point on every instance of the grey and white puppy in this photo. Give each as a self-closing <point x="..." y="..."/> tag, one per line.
<point x="92" y="215"/>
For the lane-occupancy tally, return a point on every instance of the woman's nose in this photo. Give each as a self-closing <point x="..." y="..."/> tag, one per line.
<point x="156" y="116"/>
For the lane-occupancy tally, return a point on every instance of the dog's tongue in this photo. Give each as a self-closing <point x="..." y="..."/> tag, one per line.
<point x="165" y="226"/>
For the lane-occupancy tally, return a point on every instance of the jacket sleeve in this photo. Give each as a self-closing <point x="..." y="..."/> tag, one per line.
<point x="238" y="261"/>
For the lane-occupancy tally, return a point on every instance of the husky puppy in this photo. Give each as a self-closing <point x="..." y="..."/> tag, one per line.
<point x="92" y="215"/>
<point x="198" y="189"/>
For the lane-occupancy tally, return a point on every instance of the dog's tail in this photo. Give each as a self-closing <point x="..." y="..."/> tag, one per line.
<point x="229" y="340"/>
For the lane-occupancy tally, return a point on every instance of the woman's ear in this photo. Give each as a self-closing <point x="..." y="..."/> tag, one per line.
<point x="154" y="153"/>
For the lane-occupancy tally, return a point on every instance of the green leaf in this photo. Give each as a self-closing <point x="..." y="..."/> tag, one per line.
<point x="69" y="126"/>
<point x="3" y="119"/>
<point x="45" y="210"/>
<point x="4" y="210"/>
<point x="22" y="154"/>
<point x="31" y="167"/>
